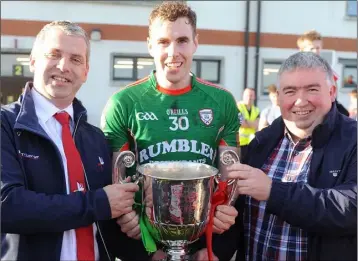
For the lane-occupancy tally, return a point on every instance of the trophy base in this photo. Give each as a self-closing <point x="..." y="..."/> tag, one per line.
<point x="177" y="254"/>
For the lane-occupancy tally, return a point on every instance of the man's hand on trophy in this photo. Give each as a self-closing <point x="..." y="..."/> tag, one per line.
<point x="121" y="198"/>
<point x="202" y="255"/>
<point x="224" y="218"/>
<point x="129" y="224"/>
<point x="251" y="181"/>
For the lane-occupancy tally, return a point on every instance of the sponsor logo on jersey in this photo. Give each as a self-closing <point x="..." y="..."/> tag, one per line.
<point x="177" y="112"/>
<point x="146" y="116"/>
<point x="176" y="146"/>
<point x="206" y="116"/>
<point x="202" y="160"/>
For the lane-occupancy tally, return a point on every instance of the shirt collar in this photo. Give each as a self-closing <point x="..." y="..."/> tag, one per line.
<point x="45" y="109"/>
<point x="288" y="135"/>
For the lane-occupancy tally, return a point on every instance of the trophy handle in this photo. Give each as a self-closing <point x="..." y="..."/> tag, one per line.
<point x="229" y="157"/>
<point x="125" y="159"/>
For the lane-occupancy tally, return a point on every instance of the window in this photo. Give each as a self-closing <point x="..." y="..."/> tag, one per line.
<point x="269" y="74"/>
<point x="349" y="79"/>
<point x="127" y="69"/>
<point x="15" y="65"/>
<point x="208" y="70"/>
<point x="351" y="10"/>
<point x="131" y="68"/>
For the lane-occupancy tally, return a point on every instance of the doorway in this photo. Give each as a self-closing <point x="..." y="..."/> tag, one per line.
<point x="11" y="88"/>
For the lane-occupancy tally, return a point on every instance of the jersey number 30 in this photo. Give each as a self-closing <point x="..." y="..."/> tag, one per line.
<point x="181" y="123"/>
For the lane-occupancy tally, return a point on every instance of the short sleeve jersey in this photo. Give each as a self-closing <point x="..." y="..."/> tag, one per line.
<point x="188" y="125"/>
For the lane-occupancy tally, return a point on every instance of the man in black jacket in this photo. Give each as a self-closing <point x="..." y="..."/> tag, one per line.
<point x="57" y="200"/>
<point x="298" y="183"/>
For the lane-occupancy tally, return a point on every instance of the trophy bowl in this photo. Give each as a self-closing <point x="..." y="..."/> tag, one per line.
<point x="176" y="197"/>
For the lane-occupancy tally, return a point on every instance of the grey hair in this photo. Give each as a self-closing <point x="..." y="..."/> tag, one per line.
<point x="306" y="60"/>
<point x="68" y="28"/>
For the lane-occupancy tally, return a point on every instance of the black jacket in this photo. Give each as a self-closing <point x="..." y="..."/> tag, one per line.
<point x="326" y="207"/>
<point x="36" y="209"/>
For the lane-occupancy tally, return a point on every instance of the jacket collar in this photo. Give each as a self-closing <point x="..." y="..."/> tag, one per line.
<point x="323" y="131"/>
<point x="320" y="134"/>
<point x="27" y="115"/>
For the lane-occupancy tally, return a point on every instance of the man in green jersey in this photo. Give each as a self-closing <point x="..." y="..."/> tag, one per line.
<point x="172" y="115"/>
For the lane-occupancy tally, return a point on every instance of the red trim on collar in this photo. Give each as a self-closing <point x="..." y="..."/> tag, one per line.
<point x="174" y="92"/>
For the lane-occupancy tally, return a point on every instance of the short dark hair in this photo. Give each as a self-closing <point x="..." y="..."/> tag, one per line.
<point x="171" y="11"/>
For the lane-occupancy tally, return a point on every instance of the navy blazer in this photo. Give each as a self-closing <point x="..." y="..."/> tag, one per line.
<point x="36" y="209"/>
<point x="326" y="207"/>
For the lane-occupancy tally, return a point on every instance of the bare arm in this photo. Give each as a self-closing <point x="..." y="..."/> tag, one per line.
<point x="245" y="124"/>
<point x="253" y="124"/>
<point x="263" y="123"/>
<point x="250" y="124"/>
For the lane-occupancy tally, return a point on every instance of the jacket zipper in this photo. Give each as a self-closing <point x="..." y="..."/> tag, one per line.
<point x="89" y="188"/>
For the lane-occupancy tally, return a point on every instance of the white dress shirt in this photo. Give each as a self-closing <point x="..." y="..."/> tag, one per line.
<point x="45" y="111"/>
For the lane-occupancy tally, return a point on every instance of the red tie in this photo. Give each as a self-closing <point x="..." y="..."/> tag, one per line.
<point x="84" y="235"/>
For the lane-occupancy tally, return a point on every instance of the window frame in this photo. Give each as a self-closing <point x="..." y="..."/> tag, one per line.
<point x="347" y="15"/>
<point x="347" y="63"/>
<point x="10" y="51"/>
<point x="134" y="69"/>
<point x="118" y="80"/>
<point x="263" y="62"/>
<point x="199" y="68"/>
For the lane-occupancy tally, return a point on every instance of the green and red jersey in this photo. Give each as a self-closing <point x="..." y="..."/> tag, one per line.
<point x="160" y="125"/>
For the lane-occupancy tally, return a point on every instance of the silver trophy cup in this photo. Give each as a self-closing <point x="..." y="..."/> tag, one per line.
<point x="176" y="197"/>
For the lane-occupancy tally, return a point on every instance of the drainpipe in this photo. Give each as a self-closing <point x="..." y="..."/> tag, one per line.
<point x="246" y="42"/>
<point x="257" y="52"/>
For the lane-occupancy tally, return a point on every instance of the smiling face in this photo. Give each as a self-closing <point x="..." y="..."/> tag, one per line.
<point x="172" y="45"/>
<point x="305" y="96"/>
<point x="60" y="67"/>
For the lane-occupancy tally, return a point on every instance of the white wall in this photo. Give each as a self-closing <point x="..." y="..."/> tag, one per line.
<point x="296" y="17"/>
<point x="288" y="17"/>
<point x="102" y="13"/>
<point x="277" y="17"/>
<point x="220" y="15"/>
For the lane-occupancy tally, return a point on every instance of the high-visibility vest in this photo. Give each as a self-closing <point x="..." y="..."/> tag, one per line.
<point x="247" y="134"/>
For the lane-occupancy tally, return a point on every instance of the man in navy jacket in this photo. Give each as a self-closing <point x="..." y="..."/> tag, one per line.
<point x="298" y="183"/>
<point x="40" y="216"/>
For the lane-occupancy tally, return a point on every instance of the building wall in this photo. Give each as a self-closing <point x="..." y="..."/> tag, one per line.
<point x="280" y="20"/>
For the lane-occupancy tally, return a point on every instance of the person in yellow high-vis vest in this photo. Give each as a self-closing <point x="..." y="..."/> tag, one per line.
<point x="249" y="118"/>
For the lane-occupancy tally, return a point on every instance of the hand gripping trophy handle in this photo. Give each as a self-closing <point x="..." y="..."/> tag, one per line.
<point x="125" y="159"/>
<point x="229" y="157"/>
